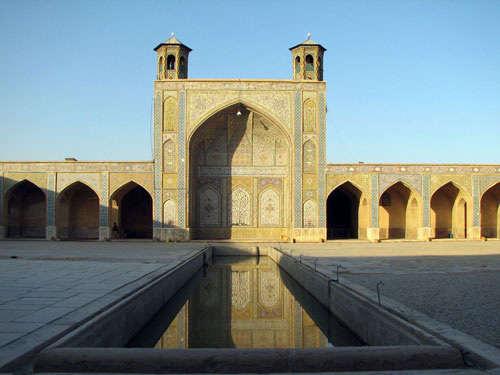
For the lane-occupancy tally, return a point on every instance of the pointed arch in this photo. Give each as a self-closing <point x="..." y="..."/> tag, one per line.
<point x="169" y="157"/>
<point x="77" y="212"/>
<point x="399" y="211"/>
<point x="170" y="116"/>
<point x="310" y="214"/>
<point x="269" y="207"/>
<point x="235" y="105"/>
<point x="240" y="206"/>
<point x="490" y="212"/>
<point x="25" y="210"/>
<point x="131" y="210"/>
<point x="449" y="215"/>
<point x="209" y="212"/>
<point x="169" y="213"/>
<point x="309" y="157"/>
<point x="309" y="115"/>
<point x="346" y="218"/>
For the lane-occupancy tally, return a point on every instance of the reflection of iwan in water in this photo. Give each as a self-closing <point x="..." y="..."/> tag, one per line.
<point x="251" y="303"/>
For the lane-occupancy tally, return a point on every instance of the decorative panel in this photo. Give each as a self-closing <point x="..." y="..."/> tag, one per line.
<point x="169" y="159"/>
<point x="322" y="161"/>
<point x="269" y="207"/>
<point x="427" y="202"/>
<point x="413" y="180"/>
<point x="298" y="162"/>
<point x="169" y="114"/>
<point x="169" y="213"/>
<point x="309" y="157"/>
<point x="157" y="199"/>
<point x="104" y="199"/>
<point x="209" y="211"/>
<point x="181" y="171"/>
<point x="487" y="182"/>
<point x="66" y="179"/>
<point x="309" y="214"/>
<point x="374" y="201"/>
<point x="476" y="199"/>
<point x="51" y="199"/>
<point x="309" y="115"/>
<point x="240" y="207"/>
<point x="269" y="289"/>
<point x="240" y="289"/>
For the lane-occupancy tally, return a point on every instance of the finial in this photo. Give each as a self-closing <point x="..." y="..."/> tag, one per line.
<point x="172" y="33"/>
<point x="308" y="36"/>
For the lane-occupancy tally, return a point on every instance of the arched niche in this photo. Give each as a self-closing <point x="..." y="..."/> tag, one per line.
<point x="237" y="146"/>
<point x="77" y="212"/>
<point x="25" y="207"/>
<point x="131" y="210"/>
<point x="346" y="216"/>
<point x="449" y="212"/>
<point x="399" y="212"/>
<point x="490" y="212"/>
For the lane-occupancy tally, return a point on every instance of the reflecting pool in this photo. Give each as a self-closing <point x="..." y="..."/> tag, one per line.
<point x="243" y="302"/>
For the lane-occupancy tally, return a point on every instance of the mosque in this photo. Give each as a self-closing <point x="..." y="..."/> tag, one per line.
<point x="245" y="160"/>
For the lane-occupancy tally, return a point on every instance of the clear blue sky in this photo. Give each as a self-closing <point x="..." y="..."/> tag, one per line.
<point x="408" y="81"/>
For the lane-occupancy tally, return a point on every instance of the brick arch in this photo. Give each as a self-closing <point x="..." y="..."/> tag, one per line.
<point x="78" y="211"/>
<point x="252" y="106"/>
<point x="398" y="216"/>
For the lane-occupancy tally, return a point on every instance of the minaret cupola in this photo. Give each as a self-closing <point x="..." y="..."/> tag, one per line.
<point x="308" y="60"/>
<point x="172" y="59"/>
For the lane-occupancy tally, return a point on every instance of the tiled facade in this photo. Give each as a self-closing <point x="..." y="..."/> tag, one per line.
<point x="245" y="159"/>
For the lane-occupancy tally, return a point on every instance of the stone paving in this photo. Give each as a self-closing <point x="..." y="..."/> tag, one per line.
<point x="48" y="288"/>
<point x="455" y="282"/>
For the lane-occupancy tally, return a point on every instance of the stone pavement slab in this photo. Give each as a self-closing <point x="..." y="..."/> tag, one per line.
<point x="456" y="283"/>
<point x="50" y="287"/>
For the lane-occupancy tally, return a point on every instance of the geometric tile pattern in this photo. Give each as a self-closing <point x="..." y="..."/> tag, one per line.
<point x="487" y="182"/>
<point x="322" y="161"/>
<point x="427" y="202"/>
<point x="374" y="201"/>
<point x="475" y="198"/>
<point x="104" y="199"/>
<point x="158" y="161"/>
<point x="181" y="173"/>
<point x="298" y="161"/>
<point x="51" y="200"/>
<point x="413" y="180"/>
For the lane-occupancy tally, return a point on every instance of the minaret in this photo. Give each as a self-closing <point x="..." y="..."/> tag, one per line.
<point x="172" y="59"/>
<point x="308" y="60"/>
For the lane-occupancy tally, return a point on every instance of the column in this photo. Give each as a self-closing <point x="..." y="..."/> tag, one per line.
<point x="51" y="230"/>
<point x="475" y="232"/>
<point x="373" y="232"/>
<point x="104" y="229"/>
<point x="425" y="232"/>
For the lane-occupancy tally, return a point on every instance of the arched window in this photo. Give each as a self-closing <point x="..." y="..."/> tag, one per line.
<point x="160" y="64"/>
<point x="171" y="62"/>
<point x="182" y="65"/>
<point x="297" y="64"/>
<point x="309" y="62"/>
<point x="319" y="61"/>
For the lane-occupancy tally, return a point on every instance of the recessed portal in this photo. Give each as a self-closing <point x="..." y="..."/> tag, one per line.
<point x="131" y="209"/>
<point x="345" y="216"/>
<point x="490" y="203"/>
<point x="77" y="214"/>
<point x="26" y="211"/>
<point x="398" y="212"/>
<point x="448" y="213"/>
